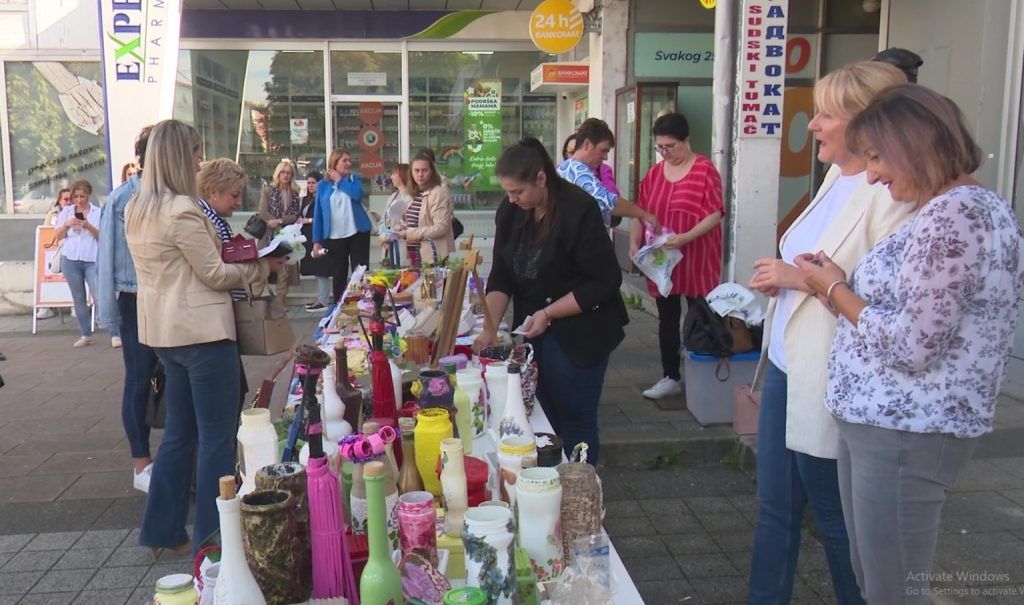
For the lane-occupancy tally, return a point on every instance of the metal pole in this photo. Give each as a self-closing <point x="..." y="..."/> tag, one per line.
<point x="722" y="90"/>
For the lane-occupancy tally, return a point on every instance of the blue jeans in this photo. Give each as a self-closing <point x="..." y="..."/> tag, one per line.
<point x="202" y="407"/>
<point x="323" y="290"/>
<point x="77" y="273"/>
<point x="786" y="482"/>
<point x="569" y="395"/>
<point x="139" y="363"/>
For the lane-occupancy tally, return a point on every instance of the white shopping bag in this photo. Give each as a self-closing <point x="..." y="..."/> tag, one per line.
<point x="656" y="261"/>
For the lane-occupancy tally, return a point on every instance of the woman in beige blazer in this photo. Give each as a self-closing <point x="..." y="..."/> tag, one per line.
<point x="185" y="315"/>
<point x="797" y="442"/>
<point x="429" y="217"/>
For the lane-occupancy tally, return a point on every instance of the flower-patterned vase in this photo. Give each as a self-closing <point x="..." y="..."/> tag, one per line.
<point x="539" y="509"/>
<point x="514" y="454"/>
<point x="417" y="525"/>
<point x="437" y="390"/>
<point x="453" y="486"/>
<point x="471" y="381"/>
<point x="523" y="355"/>
<point x="488" y="538"/>
<point x="496" y="379"/>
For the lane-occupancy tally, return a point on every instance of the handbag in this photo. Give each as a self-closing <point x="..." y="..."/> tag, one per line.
<point x="255" y="227"/>
<point x="156" y="409"/>
<point x="55" y="263"/>
<point x="262" y="326"/>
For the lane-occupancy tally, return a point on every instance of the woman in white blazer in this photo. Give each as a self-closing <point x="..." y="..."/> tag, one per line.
<point x="797" y="443"/>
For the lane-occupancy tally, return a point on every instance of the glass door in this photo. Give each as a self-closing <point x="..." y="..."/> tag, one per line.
<point x="370" y="131"/>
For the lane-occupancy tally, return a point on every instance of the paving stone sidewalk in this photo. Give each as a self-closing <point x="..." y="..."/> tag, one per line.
<point x="680" y="509"/>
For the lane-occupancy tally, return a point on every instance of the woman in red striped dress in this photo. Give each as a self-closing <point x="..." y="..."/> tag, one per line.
<point x="685" y="193"/>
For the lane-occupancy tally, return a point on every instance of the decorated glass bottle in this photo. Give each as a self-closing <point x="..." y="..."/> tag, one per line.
<point x="513" y="420"/>
<point x="380" y="583"/>
<point x="463" y="412"/>
<point x="235" y="584"/>
<point x="453" y="485"/>
<point x="471" y="381"/>
<point x="408" y="476"/>
<point x="350" y="396"/>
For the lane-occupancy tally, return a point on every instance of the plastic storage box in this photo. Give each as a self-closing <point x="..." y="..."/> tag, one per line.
<point x="711" y="382"/>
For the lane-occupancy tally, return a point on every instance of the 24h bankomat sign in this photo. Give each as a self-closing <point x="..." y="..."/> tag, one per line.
<point x="556" y="26"/>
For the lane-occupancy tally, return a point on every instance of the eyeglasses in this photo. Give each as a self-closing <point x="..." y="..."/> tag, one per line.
<point x="665" y="148"/>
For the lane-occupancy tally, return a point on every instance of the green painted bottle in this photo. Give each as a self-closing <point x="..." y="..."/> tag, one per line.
<point x="380" y="583"/>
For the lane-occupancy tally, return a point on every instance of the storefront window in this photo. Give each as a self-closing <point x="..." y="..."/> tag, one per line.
<point x="467" y="107"/>
<point x="256" y="107"/>
<point x="366" y="72"/>
<point x="56" y="122"/>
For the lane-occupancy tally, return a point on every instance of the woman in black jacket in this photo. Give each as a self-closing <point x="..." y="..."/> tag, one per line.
<point x="553" y="259"/>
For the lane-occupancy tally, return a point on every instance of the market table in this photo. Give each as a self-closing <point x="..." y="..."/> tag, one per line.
<point x="484" y="447"/>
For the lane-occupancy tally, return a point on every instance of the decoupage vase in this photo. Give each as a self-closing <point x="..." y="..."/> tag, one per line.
<point x="437" y="391"/>
<point x="408" y="476"/>
<point x="514" y="420"/>
<point x="268" y="535"/>
<point x="539" y="504"/>
<point x="496" y="379"/>
<point x="514" y="454"/>
<point x="489" y="540"/>
<point x="291" y="477"/>
<point x="471" y="381"/>
<point x="453" y="486"/>
<point x="432" y="425"/>
<point x="417" y="525"/>
<point x="523" y="355"/>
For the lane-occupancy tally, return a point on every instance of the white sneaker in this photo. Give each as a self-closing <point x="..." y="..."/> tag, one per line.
<point x="666" y="387"/>
<point x="140" y="480"/>
<point x="115" y="342"/>
<point x="44" y="313"/>
<point x="83" y="342"/>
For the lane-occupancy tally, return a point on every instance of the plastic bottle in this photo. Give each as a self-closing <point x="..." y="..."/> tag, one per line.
<point x="257" y="444"/>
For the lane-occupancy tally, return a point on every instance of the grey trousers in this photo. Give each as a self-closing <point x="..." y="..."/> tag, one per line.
<point x="893" y="485"/>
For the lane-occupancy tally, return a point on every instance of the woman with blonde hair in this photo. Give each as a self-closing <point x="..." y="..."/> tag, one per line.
<point x="341" y="225"/>
<point x="185" y="314"/>
<point x="926" y="324"/>
<point x="428" y="219"/>
<point x="798" y="442"/>
<point x="280" y="205"/>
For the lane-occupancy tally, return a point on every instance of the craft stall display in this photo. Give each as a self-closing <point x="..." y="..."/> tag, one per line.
<point x="412" y="471"/>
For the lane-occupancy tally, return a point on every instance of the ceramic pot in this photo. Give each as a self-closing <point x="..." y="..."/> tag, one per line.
<point x="581" y="503"/>
<point x="539" y="504"/>
<point x="549" y="449"/>
<point x="496" y="379"/>
<point x="417" y="524"/>
<point x="432" y="425"/>
<point x="513" y="419"/>
<point x="514" y="454"/>
<point x="453" y="486"/>
<point x="269" y="536"/>
<point x="471" y="381"/>
<point x="488" y="538"/>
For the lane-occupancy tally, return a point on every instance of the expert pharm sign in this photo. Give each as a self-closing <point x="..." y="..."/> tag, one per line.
<point x="763" y="67"/>
<point x="139" y="45"/>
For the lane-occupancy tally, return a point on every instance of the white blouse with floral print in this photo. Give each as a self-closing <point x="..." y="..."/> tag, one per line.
<point x="929" y="352"/>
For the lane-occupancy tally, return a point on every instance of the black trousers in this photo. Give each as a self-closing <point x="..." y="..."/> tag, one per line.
<point x="670" y="314"/>
<point x="344" y="253"/>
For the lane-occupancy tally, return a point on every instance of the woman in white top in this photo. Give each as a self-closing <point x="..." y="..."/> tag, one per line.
<point x="78" y="225"/>
<point x="797" y="439"/>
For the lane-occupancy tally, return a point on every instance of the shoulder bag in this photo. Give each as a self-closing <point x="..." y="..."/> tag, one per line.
<point x="262" y="326"/>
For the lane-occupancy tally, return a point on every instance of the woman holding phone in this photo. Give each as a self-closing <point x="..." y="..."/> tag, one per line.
<point x="78" y="225"/>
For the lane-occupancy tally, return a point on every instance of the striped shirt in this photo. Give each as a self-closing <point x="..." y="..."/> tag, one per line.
<point x="679" y="206"/>
<point x="224" y="233"/>
<point x="411" y="218"/>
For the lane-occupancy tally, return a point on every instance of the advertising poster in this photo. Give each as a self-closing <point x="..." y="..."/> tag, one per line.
<point x="299" y="131"/>
<point x="483" y="133"/>
<point x="51" y="290"/>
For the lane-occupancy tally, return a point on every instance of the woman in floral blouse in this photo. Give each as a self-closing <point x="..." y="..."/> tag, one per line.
<point x="926" y="324"/>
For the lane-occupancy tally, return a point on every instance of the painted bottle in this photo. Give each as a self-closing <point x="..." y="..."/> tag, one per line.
<point x="489" y="541"/>
<point x="471" y="381"/>
<point x="463" y="412"/>
<point x="235" y="583"/>
<point x="380" y="583"/>
<point x="432" y="425"/>
<point x="514" y="420"/>
<point x="257" y="444"/>
<point x="408" y="476"/>
<point x="496" y="378"/>
<point x="453" y="485"/>
<point x="539" y="510"/>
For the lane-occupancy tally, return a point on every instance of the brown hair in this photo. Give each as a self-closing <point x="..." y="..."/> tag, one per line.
<point x="845" y="92"/>
<point x="435" y="177"/>
<point x="594" y="130"/>
<point x="56" y="202"/>
<point x="82" y="184"/>
<point x="920" y="133"/>
<point x="404" y="174"/>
